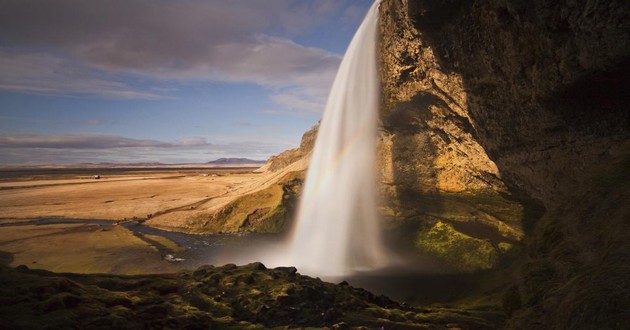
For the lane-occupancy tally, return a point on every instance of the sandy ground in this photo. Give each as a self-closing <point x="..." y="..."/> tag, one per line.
<point x="117" y="196"/>
<point x="80" y="248"/>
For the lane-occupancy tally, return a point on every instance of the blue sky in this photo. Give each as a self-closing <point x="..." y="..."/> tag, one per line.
<point x="182" y="81"/>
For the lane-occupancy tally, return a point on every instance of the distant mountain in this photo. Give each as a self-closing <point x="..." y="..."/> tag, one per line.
<point x="235" y="161"/>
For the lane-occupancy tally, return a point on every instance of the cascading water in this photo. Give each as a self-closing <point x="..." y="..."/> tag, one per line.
<point x="337" y="227"/>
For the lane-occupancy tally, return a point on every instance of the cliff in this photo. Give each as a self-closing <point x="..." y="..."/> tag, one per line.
<point x="505" y="125"/>
<point x="264" y="205"/>
<point x="269" y="205"/>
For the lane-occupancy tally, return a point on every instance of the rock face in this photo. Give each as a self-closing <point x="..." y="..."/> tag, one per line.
<point x="264" y="205"/>
<point x="300" y="155"/>
<point x="506" y="121"/>
<point x="437" y="175"/>
<point x="270" y="209"/>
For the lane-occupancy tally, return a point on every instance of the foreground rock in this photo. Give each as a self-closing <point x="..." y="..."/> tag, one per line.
<point x="250" y="296"/>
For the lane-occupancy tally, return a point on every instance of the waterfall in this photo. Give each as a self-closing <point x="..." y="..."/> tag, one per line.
<point x="337" y="227"/>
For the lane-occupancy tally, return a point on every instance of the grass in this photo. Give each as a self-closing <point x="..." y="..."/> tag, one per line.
<point x="264" y="211"/>
<point x="81" y="248"/>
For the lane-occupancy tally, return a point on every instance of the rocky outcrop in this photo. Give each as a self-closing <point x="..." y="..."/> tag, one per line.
<point x="264" y="205"/>
<point x="226" y="297"/>
<point x="524" y="103"/>
<point x="299" y="155"/>
<point x="268" y="207"/>
<point x="269" y="210"/>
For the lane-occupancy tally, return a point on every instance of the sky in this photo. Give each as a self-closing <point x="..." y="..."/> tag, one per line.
<point x="170" y="81"/>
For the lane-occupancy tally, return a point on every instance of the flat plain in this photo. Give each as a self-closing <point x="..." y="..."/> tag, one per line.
<point x="117" y="194"/>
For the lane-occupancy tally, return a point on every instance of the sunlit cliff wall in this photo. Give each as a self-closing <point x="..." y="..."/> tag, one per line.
<point x="506" y="122"/>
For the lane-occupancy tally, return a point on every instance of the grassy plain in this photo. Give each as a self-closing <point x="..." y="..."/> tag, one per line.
<point x="80" y="248"/>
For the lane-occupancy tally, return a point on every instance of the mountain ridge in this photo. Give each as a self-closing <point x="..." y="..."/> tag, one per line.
<point x="236" y="160"/>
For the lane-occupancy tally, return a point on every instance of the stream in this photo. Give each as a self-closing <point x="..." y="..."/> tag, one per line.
<point x="198" y="250"/>
<point x="425" y="282"/>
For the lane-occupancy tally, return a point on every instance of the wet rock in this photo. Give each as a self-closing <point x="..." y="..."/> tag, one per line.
<point x="256" y="266"/>
<point x="285" y="300"/>
<point x="287" y="270"/>
<point x="61" y="301"/>
<point x="228" y="267"/>
<point x="22" y="268"/>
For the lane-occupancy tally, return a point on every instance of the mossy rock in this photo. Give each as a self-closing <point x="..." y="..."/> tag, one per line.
<point x="240" y="297"/>
<point x="461" y="251"/>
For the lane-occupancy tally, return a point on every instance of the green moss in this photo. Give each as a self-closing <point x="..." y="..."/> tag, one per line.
<point x="505" y="247"/>
<point x="264" y="211"/>
<point x="461" y="251"/>
<point x="227" y="297"/>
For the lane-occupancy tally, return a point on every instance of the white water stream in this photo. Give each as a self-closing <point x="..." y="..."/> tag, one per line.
<point x="337" y="228"/>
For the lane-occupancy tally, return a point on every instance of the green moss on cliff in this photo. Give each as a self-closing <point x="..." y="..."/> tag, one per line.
<point x="445" y="224"/>
<point x="460" y="251"/>
<point x="264" y="211"/>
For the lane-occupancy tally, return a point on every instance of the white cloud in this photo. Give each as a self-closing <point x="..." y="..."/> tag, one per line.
<point x="92" y="141"/>
<point x="38" y="73"/>
<point x="48" y="121"/>
<point x="184" y="40"/>
<point x="99" y="148"/>
<point x="296" y="103"/>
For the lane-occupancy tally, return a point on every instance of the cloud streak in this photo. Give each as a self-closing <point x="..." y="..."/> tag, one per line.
<point x="77" y="122"/>
<point x="183" y="40"/>
<point x="99" y="148"/>
<point x="92" y="141"/>
<point x="44" y="74"/>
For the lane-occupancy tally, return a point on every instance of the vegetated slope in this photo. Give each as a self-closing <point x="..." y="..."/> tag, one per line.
<point x="506" y="124"/>
<point x="264" y="205"/>
<point x="227" y="297"/>
<point x="268" y="208"/>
